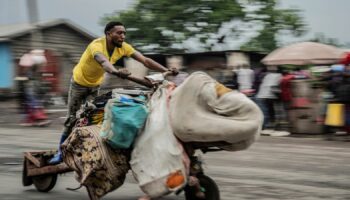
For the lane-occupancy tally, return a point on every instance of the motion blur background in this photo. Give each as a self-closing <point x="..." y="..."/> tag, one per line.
<point x="213" y="36"/>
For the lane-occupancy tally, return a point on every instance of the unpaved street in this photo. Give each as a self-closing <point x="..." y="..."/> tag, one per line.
<point x="273" y="168"/>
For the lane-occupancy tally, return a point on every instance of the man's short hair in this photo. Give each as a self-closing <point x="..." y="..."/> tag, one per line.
<point x="110" y="25"/>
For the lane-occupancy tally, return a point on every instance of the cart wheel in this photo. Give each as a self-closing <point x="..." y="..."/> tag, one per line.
<point x="209" y="186"/>
<point x="45" y="183"/>
<point x="26" y="180"/>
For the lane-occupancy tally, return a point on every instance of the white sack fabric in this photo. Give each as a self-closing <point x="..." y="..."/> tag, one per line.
<point x="157" y="154"/>
<point x="199" y="113"/>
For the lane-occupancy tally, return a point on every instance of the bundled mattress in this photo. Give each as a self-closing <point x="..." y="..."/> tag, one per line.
<point x="203" y="110"/>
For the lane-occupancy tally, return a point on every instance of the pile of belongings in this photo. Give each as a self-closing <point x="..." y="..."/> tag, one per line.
<point x="193" y="112"/>
<point x="99" y="157"/>
<point x="98" y="167"/>
<point x="92" y="113"/>
<point x="146" y="135"/>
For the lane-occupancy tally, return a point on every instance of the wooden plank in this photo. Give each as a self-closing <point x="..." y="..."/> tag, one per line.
<point x="46" y="152"/>
<point x="50" y="169"/>
<point x="32" y="159"/>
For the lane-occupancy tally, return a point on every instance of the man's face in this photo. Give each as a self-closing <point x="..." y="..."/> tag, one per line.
<point x="117" y="35"/>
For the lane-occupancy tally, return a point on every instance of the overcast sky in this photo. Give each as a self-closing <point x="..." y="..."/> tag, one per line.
<point x="322" y="16"/>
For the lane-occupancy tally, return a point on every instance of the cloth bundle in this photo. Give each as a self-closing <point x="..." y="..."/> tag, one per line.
<point x="157" y="159"/>
<point x="123" y="118"/>
<point x="98" y="167"/>
<point x="201" y="110"/>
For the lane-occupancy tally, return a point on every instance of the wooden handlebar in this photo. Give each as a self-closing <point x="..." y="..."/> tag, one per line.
<point x="144" y="81"/>
<point x="141" y="81"/>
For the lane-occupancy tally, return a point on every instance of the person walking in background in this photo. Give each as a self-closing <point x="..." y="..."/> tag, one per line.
<point x="29" y="84"/>
<point x="342" y="92"/>
<point x="245" y="79"/>
<point x="259" y="74"/>
<point x="268" y="94"/>
<point x="286" y="94"/>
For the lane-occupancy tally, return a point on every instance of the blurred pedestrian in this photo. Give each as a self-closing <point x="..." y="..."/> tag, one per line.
<point x="268" y="96"/>
<point x="29" y="83"/>
<point x="245" y="79"/>
<point x="286" y="93"/>
<point x="259" y="74"/>
<point x="343" y="91"/>
<point x="21" y="80"/>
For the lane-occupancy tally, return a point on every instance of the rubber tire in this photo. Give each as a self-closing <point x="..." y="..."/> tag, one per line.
<point x="26" y="180"/>
<point x="45" y="183"/>
<point x="211" y="189"/>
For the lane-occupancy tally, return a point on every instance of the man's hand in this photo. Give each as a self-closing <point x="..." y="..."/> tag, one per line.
<point x="173" y="70"/>
<point x="122" y="73"/>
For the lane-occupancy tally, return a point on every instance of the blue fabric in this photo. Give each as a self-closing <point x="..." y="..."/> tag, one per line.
<point x="6" y="67"/>
<point x="125" y="117"/>
<point x="337" y="68"/>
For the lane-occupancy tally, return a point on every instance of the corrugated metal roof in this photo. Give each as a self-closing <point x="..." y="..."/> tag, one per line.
<point x="8" y="32"/>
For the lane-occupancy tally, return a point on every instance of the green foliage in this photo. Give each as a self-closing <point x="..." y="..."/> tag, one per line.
<point x="167" y="23"/>
<point x="163" y="25"/>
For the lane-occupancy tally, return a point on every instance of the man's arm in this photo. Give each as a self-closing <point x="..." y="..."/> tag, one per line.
<point x="151" y="64"/>
<point x="108" y="67"/>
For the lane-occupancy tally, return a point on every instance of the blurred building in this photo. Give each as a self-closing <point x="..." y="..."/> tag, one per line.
<point x="218" y="64"/>
<point x="63" y="42"/>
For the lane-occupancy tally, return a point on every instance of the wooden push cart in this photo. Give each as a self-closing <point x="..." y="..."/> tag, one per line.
<point x="37" y="171"/>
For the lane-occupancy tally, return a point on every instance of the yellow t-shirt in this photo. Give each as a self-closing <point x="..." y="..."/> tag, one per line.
<point x="88" y="72"/>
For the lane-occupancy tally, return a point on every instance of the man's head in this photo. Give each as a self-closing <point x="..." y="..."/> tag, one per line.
<point x="115" y="33"/>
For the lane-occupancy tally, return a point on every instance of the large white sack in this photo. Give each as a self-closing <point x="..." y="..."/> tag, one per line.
<point x="198" y="114"/>
<point x="157" y="153"/>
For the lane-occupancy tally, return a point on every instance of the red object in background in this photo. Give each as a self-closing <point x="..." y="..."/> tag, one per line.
<point x="50" y="72"/>
<point x="35" y="115"/>
<point x="300" y="102"/>
<point x="248" y="92"/>
<point x="286" y="91"/>
<point x="346" y="59"/>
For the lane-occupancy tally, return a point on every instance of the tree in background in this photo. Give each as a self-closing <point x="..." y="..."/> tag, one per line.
<point x="166" y="25"/>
